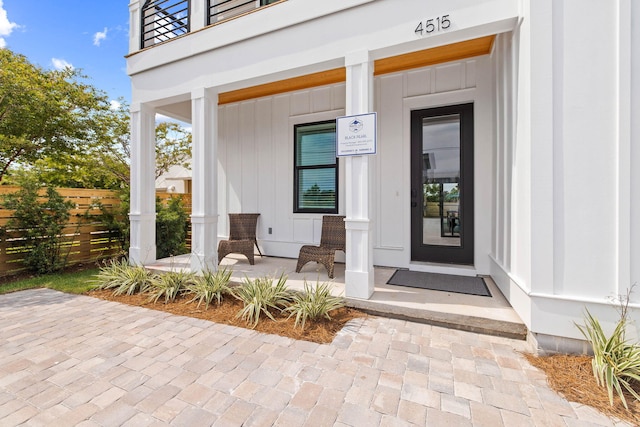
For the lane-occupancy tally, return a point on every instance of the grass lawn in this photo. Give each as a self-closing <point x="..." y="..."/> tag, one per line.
<point x="76" y="282"/>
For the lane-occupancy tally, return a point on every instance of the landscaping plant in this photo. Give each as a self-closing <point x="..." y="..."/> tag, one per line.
<point x="314" y="303"/>
<point x="116" y="219"/>
<point x="211" y="286"/>
<point x="616" y="362"/>
<point x="261" y="295"/>
<point x="40" y="221"/>
<point x="170" y="285"/>
<point x="124" y="278"/>
<point x="171" y="228"/>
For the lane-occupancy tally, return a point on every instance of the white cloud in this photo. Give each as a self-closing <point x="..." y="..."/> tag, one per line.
<point x="99" y="36"/>
<point x="114" y="104"/>
<point x="6" y="26"/>
<point x="60" y="64"/>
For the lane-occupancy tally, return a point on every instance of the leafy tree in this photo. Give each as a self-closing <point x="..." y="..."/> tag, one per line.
<point x="43" y="112"/>
<point x="40" y="221"/>
<point x="173" y="147"/>
<point x="104" y="161"/>
<point x="66" y="133"/>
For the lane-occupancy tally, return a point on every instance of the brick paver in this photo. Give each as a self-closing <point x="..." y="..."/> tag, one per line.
<point x="78" y="361"/>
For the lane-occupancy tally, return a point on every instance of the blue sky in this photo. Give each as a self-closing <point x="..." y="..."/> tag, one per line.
<point x="89" y="35"/>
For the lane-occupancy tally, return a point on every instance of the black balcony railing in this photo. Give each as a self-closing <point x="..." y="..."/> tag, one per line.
<point x="163" y="20"/>
<point x="219" y="10"/>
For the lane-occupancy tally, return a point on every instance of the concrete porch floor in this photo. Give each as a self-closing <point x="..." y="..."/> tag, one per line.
<point x="488" y="315"/>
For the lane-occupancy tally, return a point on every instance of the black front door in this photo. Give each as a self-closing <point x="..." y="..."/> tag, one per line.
<point x="442" y="184"/>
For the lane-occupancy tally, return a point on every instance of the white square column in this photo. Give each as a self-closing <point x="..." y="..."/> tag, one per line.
<point x="359" y="254"/>
<point x="204" y="164"/>
<point x="142" y="213"/>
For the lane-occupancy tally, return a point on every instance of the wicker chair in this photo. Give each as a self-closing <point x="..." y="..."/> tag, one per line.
<point x="332" y="239"/>
<point x="242" y="236"/>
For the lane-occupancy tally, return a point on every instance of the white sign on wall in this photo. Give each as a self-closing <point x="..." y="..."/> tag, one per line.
<point x="356" y="135"/>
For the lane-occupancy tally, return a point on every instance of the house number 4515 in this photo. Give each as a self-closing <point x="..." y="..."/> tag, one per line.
<point x="433" y="25"/>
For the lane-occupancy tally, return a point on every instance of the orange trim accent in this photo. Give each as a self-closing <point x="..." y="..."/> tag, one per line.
<point x="422" y="58"/>
<point x="337" y="75"/>
<point x="435" y="55"/>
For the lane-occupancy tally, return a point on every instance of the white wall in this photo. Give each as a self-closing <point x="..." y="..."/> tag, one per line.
<point x="632" y="50"/>
<point x="256" y="157"/>
<point x="256" y="164"/>
<point x="564" y="227"/>
<point x="396" y="95"/>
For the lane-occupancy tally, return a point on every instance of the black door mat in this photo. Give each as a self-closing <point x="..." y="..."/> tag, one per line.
<point x="440" y="282"/>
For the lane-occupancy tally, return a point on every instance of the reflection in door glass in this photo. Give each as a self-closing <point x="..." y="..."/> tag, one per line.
<point x="441" y="222"/>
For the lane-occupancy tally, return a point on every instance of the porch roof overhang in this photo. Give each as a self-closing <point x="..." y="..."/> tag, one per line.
<point x="421" y="58"/>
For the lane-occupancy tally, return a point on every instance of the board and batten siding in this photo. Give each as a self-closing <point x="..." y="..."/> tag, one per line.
<point x="256" y="158"/>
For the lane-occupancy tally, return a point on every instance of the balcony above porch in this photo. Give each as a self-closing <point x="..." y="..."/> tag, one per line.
<point x="164" y="20"/>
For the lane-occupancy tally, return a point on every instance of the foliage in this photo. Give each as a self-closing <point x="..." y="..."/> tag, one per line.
<point x="260" y="295"/>
<point x="77" y="282"/>
<point x="211" y="286"/>
<point x="40" y="220"/>
<point x="104" y="161"/>
<point x="43" y="112"/>
<point x="171" y="228"/>
<point x="616" y="362"/>
<point x="314" y="303"/>
<point x="117" y="220"/>
<point x="67" y="133"/>
<point x="170" y="285"/>
<point x="173" y="147"/>
<point x="123" y="278"/>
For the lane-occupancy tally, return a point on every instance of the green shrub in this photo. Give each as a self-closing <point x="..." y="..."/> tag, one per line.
<point x="40" y="221"/>
<point x="314" y="303"/>
<point x="116" y="220"/>
<point x="123" y="278"/>
<point x="211" y="286"/>
<point x="171" y="228"/>
<point x="172" y="224"/>
<point x="170" y="285"/>
<point x="616" y="362"/>
<point x="260" y="295"/>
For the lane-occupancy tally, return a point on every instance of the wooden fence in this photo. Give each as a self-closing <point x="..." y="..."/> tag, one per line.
<point x="86" y="238"/>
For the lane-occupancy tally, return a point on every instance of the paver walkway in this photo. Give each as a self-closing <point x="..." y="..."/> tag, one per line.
<point x="76" y="360"/>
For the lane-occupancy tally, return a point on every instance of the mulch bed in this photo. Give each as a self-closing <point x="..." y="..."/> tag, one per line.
<point x="572" y="377"/>
<point x="320" y="331"/>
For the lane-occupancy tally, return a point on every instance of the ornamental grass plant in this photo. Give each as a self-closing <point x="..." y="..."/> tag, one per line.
<point x="616" y="361"/>
<point x="170" y="285"/>
<point x="123" y="278"/>
<point x="314" y="303"/>
<point x="212" y="286"/>
<point x="262" y="295"/>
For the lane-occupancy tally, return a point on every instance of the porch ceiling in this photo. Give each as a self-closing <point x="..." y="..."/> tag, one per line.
<point x="417" y="59"/>
<point x="421" y="58"/>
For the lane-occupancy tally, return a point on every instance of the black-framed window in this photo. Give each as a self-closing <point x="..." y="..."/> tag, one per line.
<point x="315" y="168"/>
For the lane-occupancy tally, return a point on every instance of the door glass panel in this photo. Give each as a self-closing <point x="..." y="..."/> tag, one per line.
<point x="441" y="222"/>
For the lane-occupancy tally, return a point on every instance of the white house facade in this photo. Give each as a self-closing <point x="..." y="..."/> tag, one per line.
<point x="506" y="134"/>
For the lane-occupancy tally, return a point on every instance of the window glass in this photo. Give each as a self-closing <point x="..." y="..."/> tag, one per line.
<point x="316" y="172"/>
